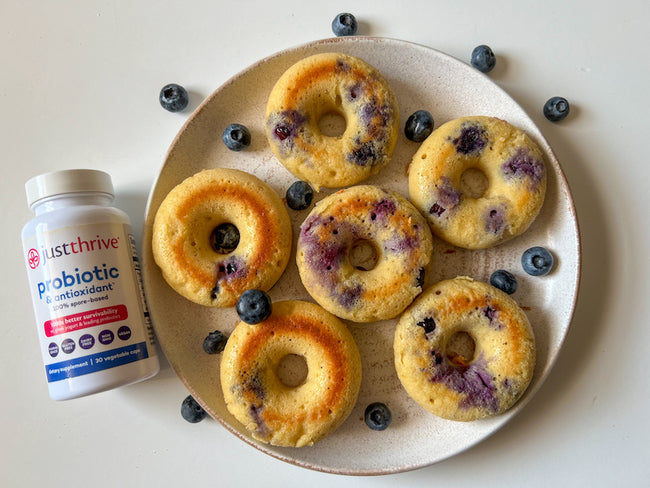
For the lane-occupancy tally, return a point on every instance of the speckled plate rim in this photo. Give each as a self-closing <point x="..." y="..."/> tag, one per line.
<point x="348" y="44"/>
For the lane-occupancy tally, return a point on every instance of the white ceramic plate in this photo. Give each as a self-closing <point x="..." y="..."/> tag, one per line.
<point x="422" y="79"/>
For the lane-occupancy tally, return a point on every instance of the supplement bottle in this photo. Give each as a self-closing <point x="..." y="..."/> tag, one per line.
<point x="84" y="274"/>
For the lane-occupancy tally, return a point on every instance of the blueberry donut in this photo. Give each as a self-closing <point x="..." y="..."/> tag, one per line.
<point x="340" y="84"/>
<point x="330" y="253"/>
<point x="291" y="414"/>
<point x="184" y="246"/>
<point x="512" y="165"/>
<point x="464" y="350"/>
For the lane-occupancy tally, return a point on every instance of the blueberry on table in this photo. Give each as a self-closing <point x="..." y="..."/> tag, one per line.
<point x="377" y="416"/>
<point x="215" y="342"/>
<point x="556" y="109"/>
<point x="236" y="137"/>
<point x="344" y="24"/>
<point x="537" y="261"/>
<point x="483" y="58"/>
<point x="418" y="126"/>
<point x="253" y="306"/>
<point x="192" y="411"/>
<point x="299" y="195"/>
<point x="504" y="281"/>
<point x="174" y="97"/>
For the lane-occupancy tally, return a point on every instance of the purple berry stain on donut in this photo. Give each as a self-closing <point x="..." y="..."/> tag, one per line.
<point x="364" y="153"/>
<point x="524" y="164"/>
<point x="428" y="324"/>
<point x="472" y="380"/>
<point x="495" y="221"/>
<point x="354" y="92"/>
<point x="402" y="244"/>
<point x="489" y="312"/>
<point x="448" y="197"/>
<point x="349" y="297"/>
<point x="437" y="209"/>
<point x="472" y="140"/>
<point x="253" y="388"/>
<point x="233" y="268"/>
<point x="256" y="415"/>
<point x="375" y="121"/>
<point x="492" y="314"/>
<point x="253" y="384"/>
<point x="376" y="117"/>
<point x="324" y="256"/>
<point x="342" y="66"/>
<point x="287" y="124"/>
<point x="382" y="209"/>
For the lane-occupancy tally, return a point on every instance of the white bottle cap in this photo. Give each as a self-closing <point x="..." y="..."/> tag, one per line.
<point x="67" y="181"/>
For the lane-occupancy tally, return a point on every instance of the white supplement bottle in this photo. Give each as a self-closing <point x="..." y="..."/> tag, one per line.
<point x="84" y="274"/>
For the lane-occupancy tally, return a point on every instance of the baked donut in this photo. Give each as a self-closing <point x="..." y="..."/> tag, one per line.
<point x="332" y="83"/>
<point x="257" y="397"/>
<point x="183" y="228"/>
<point x="380" y="221"/>
<point x="456" y="384"/>
<point x="512" y="164"/>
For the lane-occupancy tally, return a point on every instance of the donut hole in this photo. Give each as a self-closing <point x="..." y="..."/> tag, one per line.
<point x="224" y="238"/>
<point x="332" y="124"/>
<point x="363" y="255"/>
<point x="473" y="183"/>
<point x="460" y="349"/>
<point x="292" y="370"/>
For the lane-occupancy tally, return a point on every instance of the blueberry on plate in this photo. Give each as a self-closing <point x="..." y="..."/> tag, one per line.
<point x="253" y="306"/>
<point x="236" y="137"/>
<point x="377" y="416"/>
<point x="192" y="411"/>
<point x="174" y="97"/>
<point x="504" y="281"/>
<point x="556" y="109"/>
<point x="537" y="261"/>
<point x="299" y="195"/>
<point x="418" y="126"/>
<point x="483" y="58"/>
<point x="344" y="24"/>
<point x="224" y="238"/>
<point x="215" y="342"/>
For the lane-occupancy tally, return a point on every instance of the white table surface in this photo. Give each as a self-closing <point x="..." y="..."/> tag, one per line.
<point x="78" y="88"/>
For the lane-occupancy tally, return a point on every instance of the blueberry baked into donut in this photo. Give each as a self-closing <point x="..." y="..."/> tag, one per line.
<point x="384" y="223"/>
<point x="332" y="83"/>
<point x="284" y="414"/>
<point x="188" y="236"/>
<point x="512" y="165"/>
<point x="464" y="350"/>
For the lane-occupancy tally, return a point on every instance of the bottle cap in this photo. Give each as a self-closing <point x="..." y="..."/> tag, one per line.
<point x="67" y="181"/>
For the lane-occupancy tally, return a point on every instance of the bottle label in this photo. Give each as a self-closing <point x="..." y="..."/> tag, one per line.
<point x="88" y="299"/>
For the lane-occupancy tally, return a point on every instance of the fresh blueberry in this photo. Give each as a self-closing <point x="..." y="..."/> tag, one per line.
<point x="192" y="411"/>
<point x="215" y="342"/>
<point x="556" y="109"/>
<point x="236" y="137"/>
<point x="504" y="281"/>
<point x="224" y="238"/>
<point x="377" y="416"/>
<point x="537" y="261"/>
<point x="483" y="58"/>
<point x="254" y="306"/>
<point x="174" y="97"/>
<point x="344" y="24"/>
<point x="419" y="126"/>
<point x="299" y="195"/>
